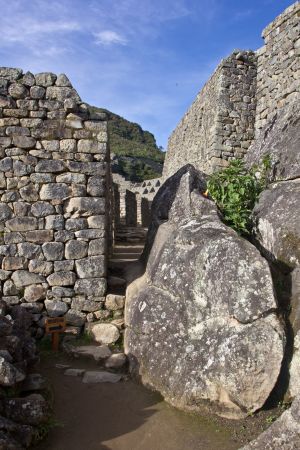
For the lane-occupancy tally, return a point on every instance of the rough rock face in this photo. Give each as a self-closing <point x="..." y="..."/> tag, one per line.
<point x="277" y="222"/>
<point x="278" y="233"/>
<point x="201" y="322"/>
<point x="282" y="434"/>
<point x="280" y="139"/>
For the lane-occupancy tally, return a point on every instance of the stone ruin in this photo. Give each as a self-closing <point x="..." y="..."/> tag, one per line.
<point x="55" y="198"/>
<point x="60" y="208"/>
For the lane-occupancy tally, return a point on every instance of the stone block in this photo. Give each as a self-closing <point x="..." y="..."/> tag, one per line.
<point x="42" y="209"/>
<point x="76" y="318"/>
<point x="114" y="302"/>
<point x="55" y="191"/>
<point x="30" y="250"/>
<point x="45" y="79"/>
<point x="91" y="267"/>
<point x="97" y="247"/>
<point x="21" y="224"/>
<point x="55" y="222"/>
<point x="34" y="292"/>
<point x="55" y="308"/>
<point x="24" y="141"/>
<point x="76" y="249"/>
<point x="53" y="251"/>
<point x="14" y="263"/>
<point x="39" y="236"/>
<point x="93" y="286"/>
<point x="97" y="221"/>
<point x="61" y="279"/>
<point x="22" y="278"/>
<point x="41" y="267"/>
<point x="76" y="224"/>
<point x="85" y="206"/>
<point x="51" y="166"/>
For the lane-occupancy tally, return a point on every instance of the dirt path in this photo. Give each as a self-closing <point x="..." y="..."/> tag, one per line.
<point x="123" y="416"/>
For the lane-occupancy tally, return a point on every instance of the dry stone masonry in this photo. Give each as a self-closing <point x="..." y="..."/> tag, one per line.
<point x="242" y="96"/>
<point x="54" y="173"/>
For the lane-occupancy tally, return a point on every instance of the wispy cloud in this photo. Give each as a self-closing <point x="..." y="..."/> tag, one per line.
<point x="109" y="37"/>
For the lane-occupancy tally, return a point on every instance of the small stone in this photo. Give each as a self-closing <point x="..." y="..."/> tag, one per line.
<point x="13" y="263"/>
<point x="9" y="374"/>
<point x="39" y="236"/>
<point x="41" y="267"/>
<point x="55" y="308"/>
<point x="53" y="251"/>
<point x="54" y="222"/>
<point x="21" y="224"/>
<point x="84" y="304"/>
<point x="63" y="81"/>
<point x="116" y="361"/>
<point x="76" y="249"/>
<point x="62" y="366"/>
<point x="63" y="266"/>
<point x="34" y="293"/>
<point x="17" y="90"/>
<point x="37" y="92"/>
<point x="55" y="191"/>
<point x="97" y="286"/>
<point x="101" y="377"/>
<point x="76" y="224"/>
<point x="42" y="209"/>
<point x="114" y="302"/>
<point x="22" y="278"/>
<point x="74" y="372"/>
<point x="75" y="318"/>
<point x="91" y="267"/>
<point x="24" y="142"/>
<point x="31" y="410"/>
<point x="105" y="333"/>
<point x="85" y="206"/>
<point x="51" y="166"/>
<point x="61" y="279"/>
<point x="5" y="212"/>
<point x="98" y="353"/>
<point x="34" y="382"/>
<point x="45" y="79"/>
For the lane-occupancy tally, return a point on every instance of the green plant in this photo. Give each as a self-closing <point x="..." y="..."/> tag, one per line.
<point x="270" y="419"/>
<point x="235" y="190"/>
<point x="42" y="430"/>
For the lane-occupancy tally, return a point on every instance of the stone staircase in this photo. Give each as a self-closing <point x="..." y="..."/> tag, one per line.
<point x="129" y="244"/>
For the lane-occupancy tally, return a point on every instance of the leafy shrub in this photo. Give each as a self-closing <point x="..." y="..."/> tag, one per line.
<point x="236" y="190"/>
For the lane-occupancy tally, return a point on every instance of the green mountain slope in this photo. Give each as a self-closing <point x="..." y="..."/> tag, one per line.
<point x="137" y="156"/>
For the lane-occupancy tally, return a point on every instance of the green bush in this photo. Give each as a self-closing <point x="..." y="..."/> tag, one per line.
<point x="235" y="190"/>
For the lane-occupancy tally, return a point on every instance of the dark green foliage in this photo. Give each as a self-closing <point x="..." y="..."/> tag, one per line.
<point x="236" y="190"/>
<point x="129" y="139"/>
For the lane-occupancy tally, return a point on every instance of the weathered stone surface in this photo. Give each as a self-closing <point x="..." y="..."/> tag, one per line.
<point x="280" y="141"/>
<point x="105" y="333"/>
<point x="41" y="267"/>
<point x="76" y="249"/>
<point x="17" y="90"/>
<point x="31" y="410"/>
<point x="82" y="303"/>
<point x="74" y="317"/>
<point x="55" y="308"/>
<point x="9" y="374"/>
<point x="294" y="382"/>
<point x="39" y="236"/>
<point x="114" y="302"/>
<point x="5" y="212"/>
<point x="93" y="286"/>
<point x="55" y="191"/>
<point x="61" y="279"/>
<point x="42" y="209"/>
<point x="34" y="293"/>
<point x="45" y="79"/>
<point x="22" y="278"/>
<point x="97" y="247"/>
<point x="74" y="372"/>
<point x="277" y="222"/>
<point x="96" y="187"/>
<point x="100" y="377"/>
<point x="21" y="224"/>
<point x="97" y="352"/>
<point x="284" y="433"/>
<point x="85" y="206"/>
<point x="91" y="267"/>
<point x="50" y="166"/>
<point x="14" y="263"/>
<point x="215" y="290"/>
<point x="116" y="361"/>
<point x="53" y="251"/>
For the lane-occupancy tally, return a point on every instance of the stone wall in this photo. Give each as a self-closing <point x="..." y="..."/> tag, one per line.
<point x="240" y="98"/>
<point x="219" y="125"/>
<point x="54" y="177"/>
<point x="133" y="200"/>
<point x="278" y="72"/>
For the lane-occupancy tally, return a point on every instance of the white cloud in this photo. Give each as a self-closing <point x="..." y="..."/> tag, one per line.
<point x="108" y="37"/>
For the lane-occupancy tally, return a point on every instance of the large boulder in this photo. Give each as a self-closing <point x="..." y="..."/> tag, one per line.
<point x="201" y="322"/>
<point x="280" y="141"/>
<point x="277" y="231"/>
<point x="284" y="433"/>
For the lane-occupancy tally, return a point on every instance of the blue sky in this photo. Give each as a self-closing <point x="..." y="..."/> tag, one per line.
<point x="143" y="59"/>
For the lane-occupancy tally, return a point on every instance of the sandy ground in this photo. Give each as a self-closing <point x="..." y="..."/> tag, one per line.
<point x="123" y="416"/>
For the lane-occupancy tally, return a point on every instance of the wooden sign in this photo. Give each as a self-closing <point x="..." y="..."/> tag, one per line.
<point x="55" y="326"/>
